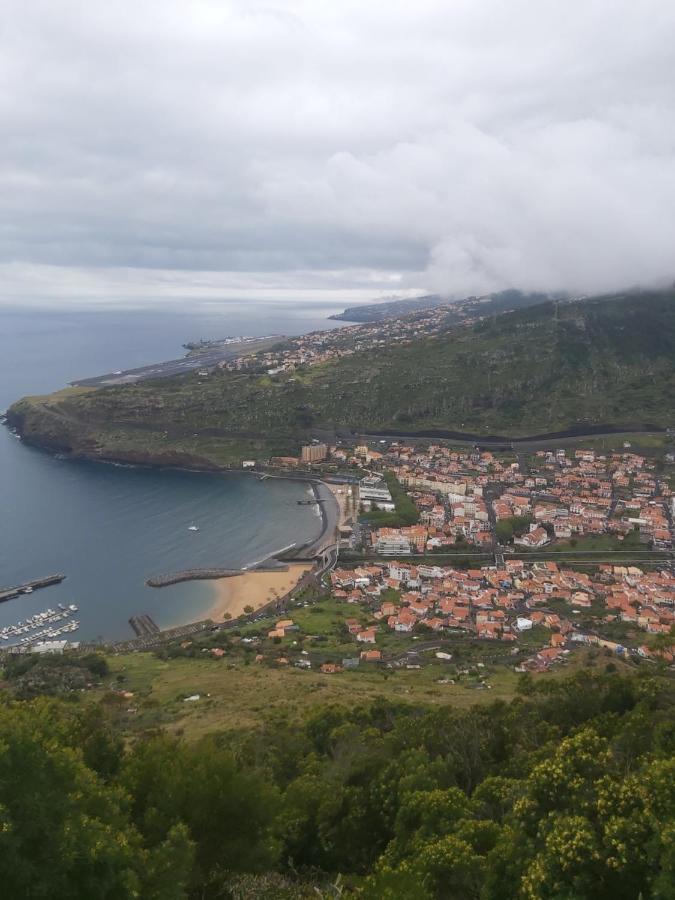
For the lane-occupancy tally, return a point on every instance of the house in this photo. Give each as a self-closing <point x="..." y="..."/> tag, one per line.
<point x="536" y="537"/>
<point x="399" y="572"/>
<point x="329" y="668"/>
<point x="371" y="655"/>
<point x="387" y="609"/>
<point x="367" y="636"/>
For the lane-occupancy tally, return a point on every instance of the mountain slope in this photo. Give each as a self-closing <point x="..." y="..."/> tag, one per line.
<point x="607" y="360"/>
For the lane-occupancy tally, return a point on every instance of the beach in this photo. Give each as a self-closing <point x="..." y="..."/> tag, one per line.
<point x="254" y="589"/>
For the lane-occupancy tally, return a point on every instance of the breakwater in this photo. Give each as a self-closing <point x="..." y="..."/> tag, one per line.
<point x="9" y="593"/>
<point x="190" y="575"/>
<point x="209" y="574"/>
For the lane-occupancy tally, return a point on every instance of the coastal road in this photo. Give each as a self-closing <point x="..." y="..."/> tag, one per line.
<point x="330" y="517"/>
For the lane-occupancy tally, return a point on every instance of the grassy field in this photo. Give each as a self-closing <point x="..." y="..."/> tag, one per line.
<point x="600" y="542"/>
<point x="236" y="692"/>
<point x="233" y="696"/>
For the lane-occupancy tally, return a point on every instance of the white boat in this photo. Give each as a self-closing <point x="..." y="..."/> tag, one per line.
<point x="72" y="607"/>
<point x="193" y="528"/>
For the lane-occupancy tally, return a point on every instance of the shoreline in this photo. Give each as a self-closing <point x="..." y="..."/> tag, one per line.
<point x="256" y="588"/>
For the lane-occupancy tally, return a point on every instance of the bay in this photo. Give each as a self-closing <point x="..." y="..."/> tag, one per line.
<point x="109" y="527"/>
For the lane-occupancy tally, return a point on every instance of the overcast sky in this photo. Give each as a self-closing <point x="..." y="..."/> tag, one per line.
<point x="356" y="149"/>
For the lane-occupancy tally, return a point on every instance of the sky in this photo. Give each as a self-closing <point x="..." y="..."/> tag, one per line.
<point x="162" y="150"/>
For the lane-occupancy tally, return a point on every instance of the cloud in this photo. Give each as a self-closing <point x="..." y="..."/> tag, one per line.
<point x="354" y="147"/>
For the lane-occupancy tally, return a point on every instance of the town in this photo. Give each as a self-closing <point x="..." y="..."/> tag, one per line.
<point x="541" y="551"/>
<point x="328" y="345"/>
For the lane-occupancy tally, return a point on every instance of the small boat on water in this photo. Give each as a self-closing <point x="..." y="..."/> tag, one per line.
<point x="193" y="528"/>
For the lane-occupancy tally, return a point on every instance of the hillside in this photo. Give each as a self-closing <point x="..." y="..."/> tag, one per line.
<point x="375" y="312"/>
<point x="608" y="360"/>
<point x="567" y="792"/>
<point x="489" y="304"/>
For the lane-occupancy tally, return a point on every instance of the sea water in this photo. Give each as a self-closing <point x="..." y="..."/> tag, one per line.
<point x="106" y="527"/>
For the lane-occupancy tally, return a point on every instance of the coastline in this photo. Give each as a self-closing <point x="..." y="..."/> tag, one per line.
<point x="255" y="589"/>
<point x="232" y="591"/>
<point x="235" y="591"/>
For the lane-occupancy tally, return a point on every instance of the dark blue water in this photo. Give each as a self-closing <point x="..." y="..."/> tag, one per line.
<point x="108" y="527"/>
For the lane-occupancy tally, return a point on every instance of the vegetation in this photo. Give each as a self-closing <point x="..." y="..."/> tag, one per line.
<point x="540" y="369"/>
<point x="514" y="525"/>
<point x="33" y="675"/>
<point x="604" y="542"/>
<point x="406" y="513"/>
<point x="567" y="792"/>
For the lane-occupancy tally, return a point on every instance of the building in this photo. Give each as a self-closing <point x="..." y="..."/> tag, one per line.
<point x="375" y="494"/>
<point x="392" y="544"/>
<point x="536" y="537"/>
<point x="312" y="453"/>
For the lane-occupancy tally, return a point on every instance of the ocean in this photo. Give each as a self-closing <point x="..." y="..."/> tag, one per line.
<point x="106" y="527"/>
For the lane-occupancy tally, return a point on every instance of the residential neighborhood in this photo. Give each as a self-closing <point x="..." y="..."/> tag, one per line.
<point x="489" y="603"/>
<point x="482" y="498"/>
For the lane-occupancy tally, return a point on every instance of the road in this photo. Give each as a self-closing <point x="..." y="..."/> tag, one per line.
<point x="550" y="440"/>
<point x="330" y="515"/>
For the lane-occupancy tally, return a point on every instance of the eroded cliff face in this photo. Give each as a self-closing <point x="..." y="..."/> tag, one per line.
<point x="36" y="424"/>
<point x="41" y="425"/>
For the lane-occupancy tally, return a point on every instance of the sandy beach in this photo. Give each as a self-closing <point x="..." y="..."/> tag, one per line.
<point x="252" y="589"/>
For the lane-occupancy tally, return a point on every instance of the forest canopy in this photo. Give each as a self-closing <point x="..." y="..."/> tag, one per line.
<point x="567" y="792"/>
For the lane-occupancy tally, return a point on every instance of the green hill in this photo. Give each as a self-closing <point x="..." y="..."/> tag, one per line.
<point x="607" y="360"/>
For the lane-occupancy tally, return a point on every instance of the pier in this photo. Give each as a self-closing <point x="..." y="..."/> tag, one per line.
<point x="144" y="625"/>
<point x="9" y="593"/>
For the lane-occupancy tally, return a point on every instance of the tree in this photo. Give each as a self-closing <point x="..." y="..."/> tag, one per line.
<point x="64" y="830"/>
<point x="229" y="812"/>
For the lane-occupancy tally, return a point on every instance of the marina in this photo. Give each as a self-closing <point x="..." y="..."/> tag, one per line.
<point x="42" y="626"/>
